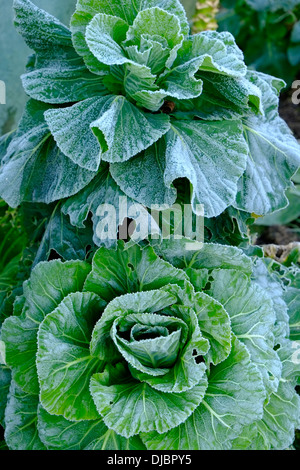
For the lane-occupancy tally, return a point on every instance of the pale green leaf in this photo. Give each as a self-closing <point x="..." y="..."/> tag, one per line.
<point x="212" y="155"/>
<point x="127" y="405"/>
<point x="128" y="270"/>
<point x="104" y="34"/>
<point x="154" y="22"/>
<point x="37" y="171"/>
<point x="50" y="282"/>
<point x="21" y="421"/>
<point x="64" y="363"/>
<point x="185" y="253"/>
<point x="102" y="345"/>
<point x="136" y="177"/>
<point x="70" y="128"/>
<point x="127" y="10"/>
<point x="262" y="187"/>
<point x="57" y="433"/>
<point x="218" y="51"/>
<point x="215" y="325"/>
<point x="234" y="398"/>
<point x="252" y="320"/>
<point x="124" y="130"/>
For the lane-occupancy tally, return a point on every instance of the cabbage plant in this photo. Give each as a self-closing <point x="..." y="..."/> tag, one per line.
<point x="149" y="348"/>
<point x="127" y="97"/>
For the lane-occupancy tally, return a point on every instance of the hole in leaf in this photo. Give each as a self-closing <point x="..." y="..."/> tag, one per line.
<point x="131" y="267"/>
<point x="197" y="357"/>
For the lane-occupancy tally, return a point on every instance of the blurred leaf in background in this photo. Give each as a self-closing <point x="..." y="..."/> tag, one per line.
<point x="268" y="32"/>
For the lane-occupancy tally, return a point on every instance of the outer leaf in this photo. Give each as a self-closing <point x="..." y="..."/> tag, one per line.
<point x="57" y="433"/>
<point x="109" y="207"/>
<point x="34" y="167"/>
<point x="213" y="156"/>
<point x="70" y="242"/>
<point x="64" y="363"/>
<point x="21" y="421"/>
<point x="70" y="80"/>
<point x="268" y="280"/>
<point x="69" y="83"/>
<point x="124" y="397"/>
<point x="49" y="283"/>
<point x="136" y="177"/>
<point x="261" y="188"/>
<point x="234" y="398"/>
<point x="124" y="130"/>
<point x="129" y="270"/>
<point x="185" y="253"/>
<point x="29" y="19"/>
<point x="218" y="52"/>
<point x="252" y="320"/>
<point x="281" y="417"/>
<point x="5" y="379"/>
<point x="292" y="299"/>
<point x="70" y="128"/>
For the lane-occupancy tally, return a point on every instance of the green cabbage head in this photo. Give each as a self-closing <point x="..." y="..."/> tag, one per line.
<point x="143" y="348"/>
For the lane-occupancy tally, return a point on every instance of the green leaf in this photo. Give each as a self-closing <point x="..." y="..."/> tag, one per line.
<point x="103" y="37"/>
<point x="69" y="83"/>
<point x="267" y="279"/>
<point x="226" y="97"/>
<point x="21" y="431"/>
<point x="156" y="22"/>
<point x="180" y="82"/>
<point x="34" y="166"/>
<point x="185" y="253"/>
<point x="50" y="282"/>
<point x="212" y="155"/>
<point x="5" y="379"/>
<point x="252" y="320"/>
<point x="218" y="52"/>
<point x="29" y="19"/>
<point x="57" y="433"/>
<point x="109" y="207"/>
<point x="64" y="363"/>
<point x="70" y="128"/>
<point x="292" y="298"/>
<point x="215" y="325"/>
<point x="189" y="369"/>
<point x="154" y="341"/>
<point x="127" y="11"/>
<point x="59" y="74"/>
<point x="102" y="345"/>
<point x="124" y="130"/>
<point x="117" y="395"/>
<point x="234" y="398"/>
<point x="281" y="417"/>
<point x="136" y="177"/>
<point x="70" y="242"/>
<point x="262" y="187"/>
<point x="128" y="270"/>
